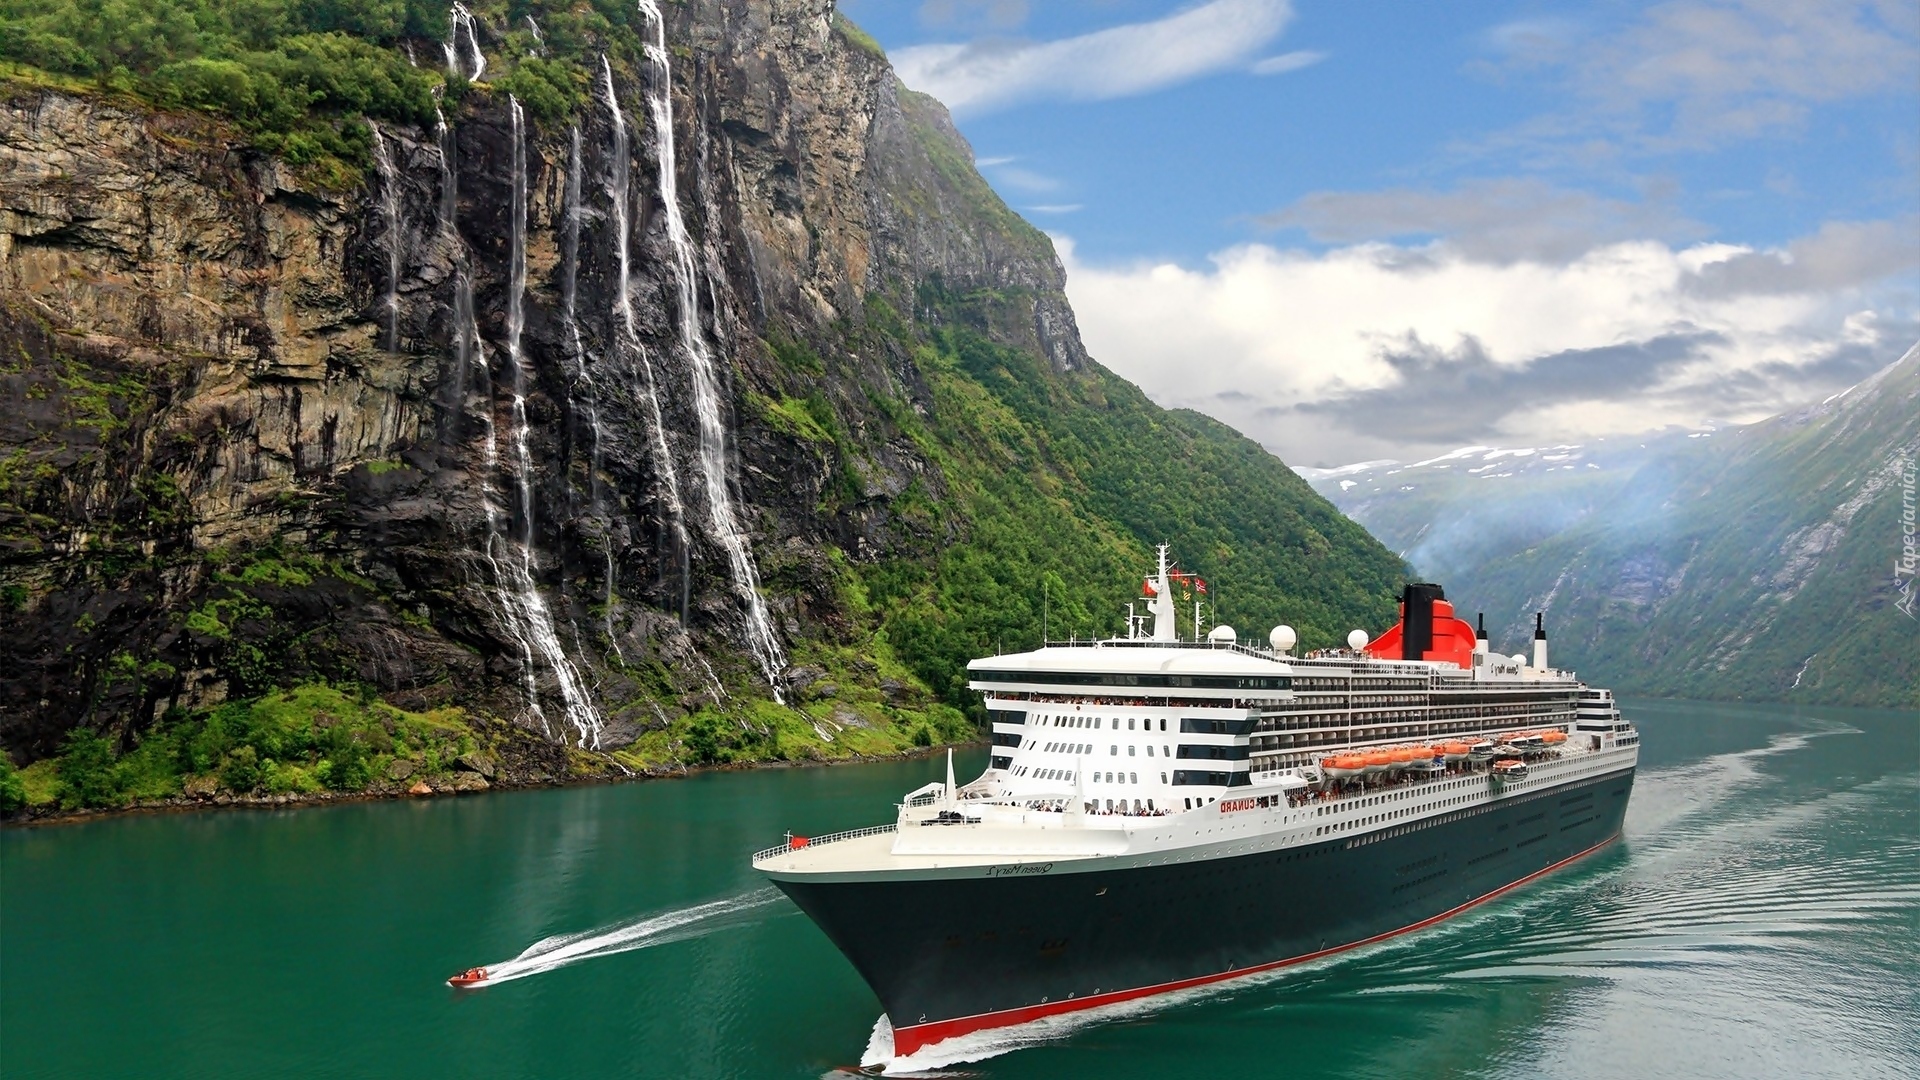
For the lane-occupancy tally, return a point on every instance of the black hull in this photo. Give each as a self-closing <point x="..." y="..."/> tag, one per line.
<point x="960" y="954"/>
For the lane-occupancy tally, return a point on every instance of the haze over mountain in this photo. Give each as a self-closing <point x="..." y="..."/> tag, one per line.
<point x="1757" y="562"/>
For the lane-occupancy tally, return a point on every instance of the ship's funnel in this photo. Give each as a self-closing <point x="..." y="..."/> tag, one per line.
<point x="1416" y="616"/>
<point x="951" y="791"/>
<point x="1540" y="640"/>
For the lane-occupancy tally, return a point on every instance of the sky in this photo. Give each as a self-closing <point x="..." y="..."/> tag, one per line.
<point x="1355" y="229"/>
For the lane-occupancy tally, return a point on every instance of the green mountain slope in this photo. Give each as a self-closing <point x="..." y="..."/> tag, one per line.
<point x="1756" y="563"/>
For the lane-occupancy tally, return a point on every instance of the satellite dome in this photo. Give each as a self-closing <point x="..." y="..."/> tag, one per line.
<point x="1357" y="639"/>
<point x="1222" y="635"/>
<point x="1520" y="659"/>
<point x="1282" y="638"/>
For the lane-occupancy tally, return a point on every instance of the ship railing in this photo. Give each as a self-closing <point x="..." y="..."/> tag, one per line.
<point x="829" y="838"/>
<point x="1149" y="643"/>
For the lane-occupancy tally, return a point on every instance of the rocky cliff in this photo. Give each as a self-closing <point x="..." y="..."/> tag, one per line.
<point x="719" y="415"/>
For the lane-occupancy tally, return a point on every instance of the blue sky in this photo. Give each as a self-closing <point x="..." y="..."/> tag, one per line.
<point x="1325" y="207"/>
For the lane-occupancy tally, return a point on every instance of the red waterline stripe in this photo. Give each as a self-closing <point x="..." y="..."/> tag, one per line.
<point x="911" y="1040"/>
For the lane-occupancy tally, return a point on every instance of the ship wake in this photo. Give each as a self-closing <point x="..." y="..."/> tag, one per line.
<point x="680" y="924"/>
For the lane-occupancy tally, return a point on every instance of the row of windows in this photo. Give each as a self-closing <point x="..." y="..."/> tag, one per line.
<point x="1132" y="678"/>
<point x="1099" y="722"/>
<point x="1215" y="753"/>
<point x="1183" y="777"/>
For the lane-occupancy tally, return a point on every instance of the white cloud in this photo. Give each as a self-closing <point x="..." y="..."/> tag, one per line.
<point x="1499" y="220"/>
<point x="1693" y="73"/>
<point x="1055" y="208"/>
<point x="1120" y="61"/>
<point x="1285" y="62"/>
<point x="990" y="162"/>
<point x="1020" y="179"/>
<point x="1325" y="356"/>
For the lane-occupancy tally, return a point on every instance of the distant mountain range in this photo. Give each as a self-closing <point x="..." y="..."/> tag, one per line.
<point x="1753" y="563"/>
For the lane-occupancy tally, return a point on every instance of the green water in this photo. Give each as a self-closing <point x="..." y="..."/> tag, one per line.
<point x="1762" y="918"/>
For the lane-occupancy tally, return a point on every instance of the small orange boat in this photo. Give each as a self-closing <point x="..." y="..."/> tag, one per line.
<point x="1378" y="761"/>
<point x="1342" y="766"/>
<point x="1554" y="737"/>
<point x="468" y="978"/>
<point x="1455" y="751"/>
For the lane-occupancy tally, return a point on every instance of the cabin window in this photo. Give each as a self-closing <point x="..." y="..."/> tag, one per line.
<point x="1113" y="750"/>
<point x="1129" y="723"/>
<point x="1163" y="723"/>
<point x="1133" y="778"/>
<point x="1130" y="751"/>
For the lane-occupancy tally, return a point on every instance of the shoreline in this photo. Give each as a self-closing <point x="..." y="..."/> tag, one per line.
<point x="188" y="804"/>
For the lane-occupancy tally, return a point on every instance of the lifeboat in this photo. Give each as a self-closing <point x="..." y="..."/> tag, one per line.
<point x="1510" y="769"/>
<point x="1481" y="751"/>
<point x="1554" y="737"/>
<point x="1378" y="761"/>
<point x="1454" y="751"/>
<point x="1344" y="766"/>
<point x="469" y="978"/>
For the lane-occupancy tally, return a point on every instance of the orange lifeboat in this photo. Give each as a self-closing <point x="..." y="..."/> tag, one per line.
<point x="1554" y="737"/>
<point x="468" y="978"/>
<point x="1454" y="751"/>
<point x="1378" y="761"/>
<point x="1344" y="766"/>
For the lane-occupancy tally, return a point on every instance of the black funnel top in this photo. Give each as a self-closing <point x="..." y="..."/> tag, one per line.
<point x="1539" y="626"/>
<point x="1480" y="626"/>
<point x="1416" y="618"/>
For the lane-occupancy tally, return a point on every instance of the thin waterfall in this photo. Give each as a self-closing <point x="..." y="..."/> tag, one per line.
<point x="706" y="387"/>
<point x="517" y="568"/>
<point x="582" y="374"/>
<point x="619" y="171"/>
<point x="460" y="21"/>
<point x="466" y="331"/>
<point x="395" y="235"/>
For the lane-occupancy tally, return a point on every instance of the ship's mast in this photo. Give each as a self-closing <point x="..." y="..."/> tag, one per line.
<point x="1161" y="603"/>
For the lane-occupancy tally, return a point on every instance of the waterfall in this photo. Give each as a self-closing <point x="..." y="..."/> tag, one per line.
<point x="517" y="569"/>
<point x="539" y="39"/>
<point x="466" y="332"/>
<point x="459" y="21"/>
<point x="619" y="169"/>
<point x="390" y="210"/>
<point x="582" y="375"/>
<point x="705" y="380"/>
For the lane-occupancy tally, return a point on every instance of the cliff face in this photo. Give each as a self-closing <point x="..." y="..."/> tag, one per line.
<point x="525" y="423"/>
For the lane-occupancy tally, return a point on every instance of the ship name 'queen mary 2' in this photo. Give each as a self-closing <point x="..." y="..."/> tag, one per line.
<point x="1160" y="813"/>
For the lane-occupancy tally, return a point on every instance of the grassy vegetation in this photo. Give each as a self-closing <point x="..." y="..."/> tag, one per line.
<point x="307" y="739"/>
<point x="301" y="77"/>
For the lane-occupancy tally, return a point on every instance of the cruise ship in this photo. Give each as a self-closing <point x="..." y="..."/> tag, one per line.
<point x="1160" y="813"/>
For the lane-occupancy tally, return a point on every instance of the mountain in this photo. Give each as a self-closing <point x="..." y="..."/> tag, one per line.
<point x="1754" y="563"/>
<point x="630" y="391"/>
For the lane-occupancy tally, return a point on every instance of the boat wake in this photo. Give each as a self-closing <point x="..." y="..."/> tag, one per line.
<point x="681" y="924"/>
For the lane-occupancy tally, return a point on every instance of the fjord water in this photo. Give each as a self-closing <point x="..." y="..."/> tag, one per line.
<point x="1760" y="918"/>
